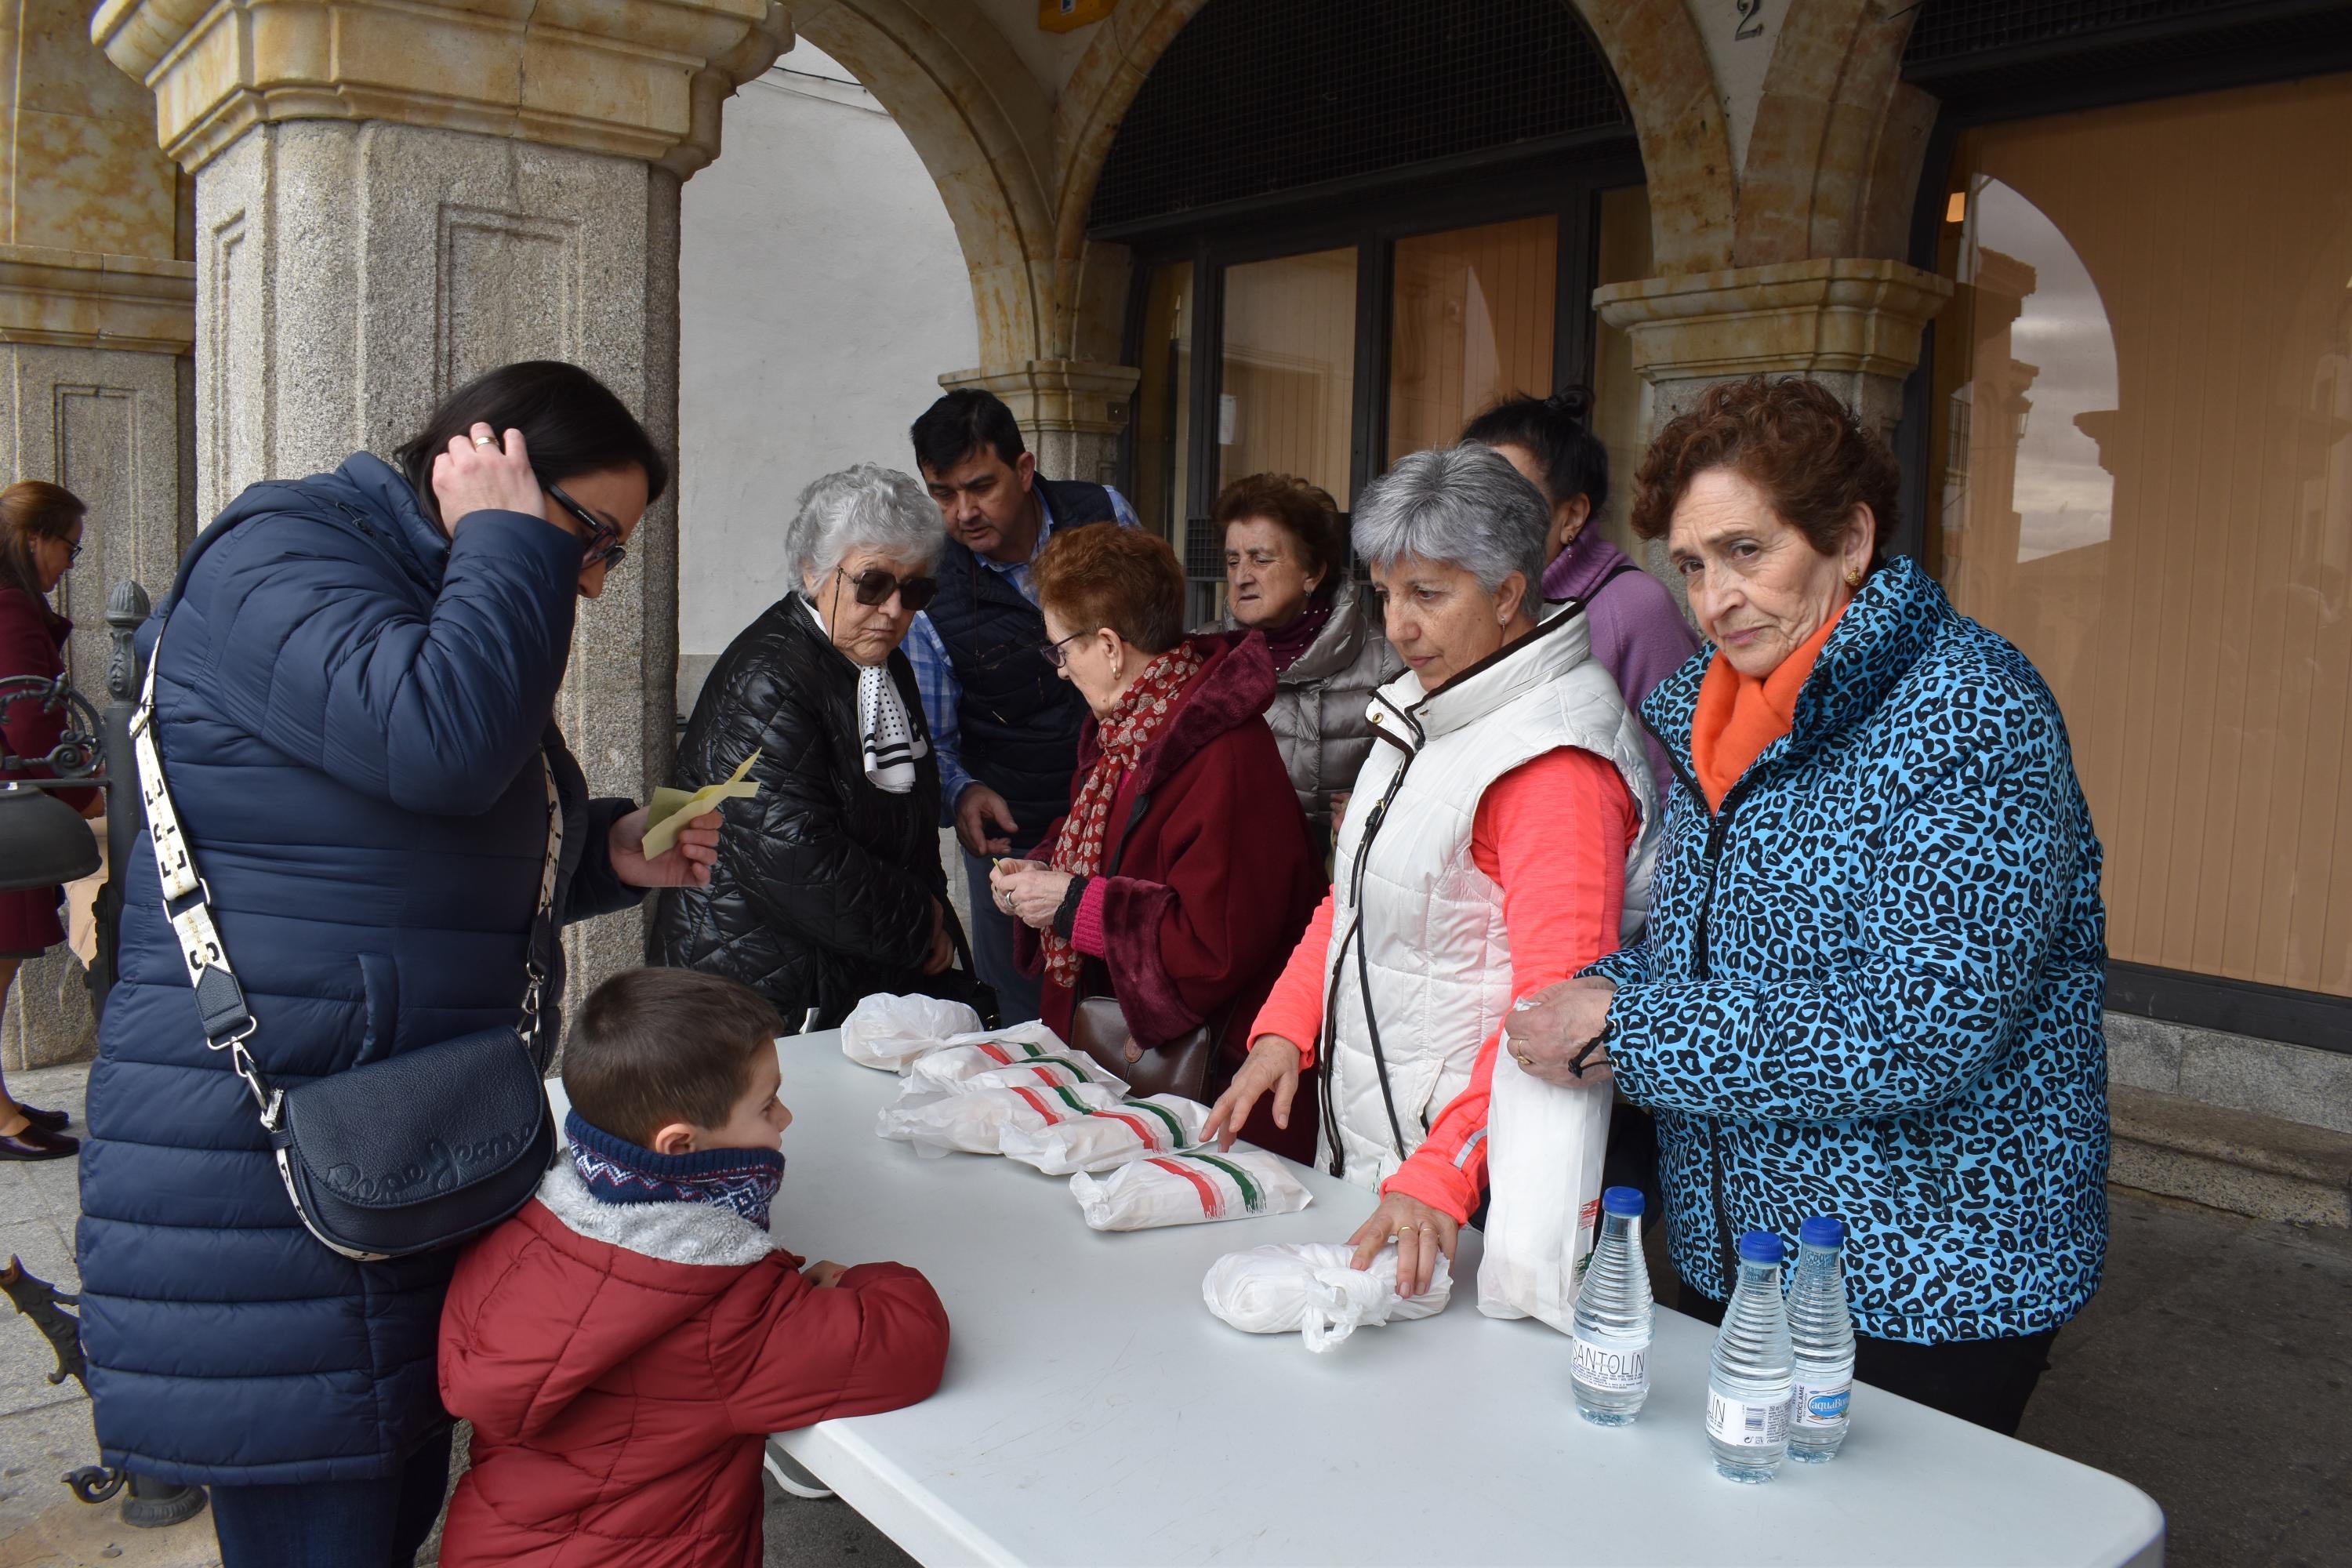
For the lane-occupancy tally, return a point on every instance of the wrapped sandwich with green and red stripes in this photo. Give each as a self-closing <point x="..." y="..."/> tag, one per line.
<point x="1030" y="1057"/>
<point x="976" y="1123"/>
<point x="1106" y="1137"/>
<point x="1189" y="1189"/>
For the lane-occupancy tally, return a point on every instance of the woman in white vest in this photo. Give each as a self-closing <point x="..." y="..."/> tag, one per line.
<point x="1499" y="840"/>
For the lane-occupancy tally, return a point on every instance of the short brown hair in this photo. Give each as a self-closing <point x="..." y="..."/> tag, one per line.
<point x="1123" y="578"/>
<point x="1794" y="440"/>
<point x="33" y="510"/>
<point x="1307" y="512"/>
<point x="651" y="1046"/>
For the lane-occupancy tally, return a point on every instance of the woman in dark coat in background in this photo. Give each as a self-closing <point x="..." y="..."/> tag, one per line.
<point x="829" y="888"/>
<point x="352" y="703"/>
<point x="40" y="534"/>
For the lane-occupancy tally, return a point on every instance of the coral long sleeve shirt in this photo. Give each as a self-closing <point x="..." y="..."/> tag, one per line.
<point x="1553" y="833"/>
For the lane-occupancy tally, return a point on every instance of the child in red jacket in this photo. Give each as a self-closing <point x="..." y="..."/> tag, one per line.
<point x="625" y="1343"/>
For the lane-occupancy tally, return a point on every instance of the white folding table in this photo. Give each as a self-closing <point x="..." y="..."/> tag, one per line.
<point x="1095" y="1413"/>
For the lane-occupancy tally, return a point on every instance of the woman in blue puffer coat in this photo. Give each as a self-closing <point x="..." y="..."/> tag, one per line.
<point x="357" y="685"/>
<point x="1871" y="984"/>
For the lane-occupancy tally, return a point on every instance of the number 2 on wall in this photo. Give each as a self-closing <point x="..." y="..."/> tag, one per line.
<point x="1751" y="18"/>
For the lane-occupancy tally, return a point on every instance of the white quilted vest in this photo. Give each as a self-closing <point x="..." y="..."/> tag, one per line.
<point x="1429" y="922"/>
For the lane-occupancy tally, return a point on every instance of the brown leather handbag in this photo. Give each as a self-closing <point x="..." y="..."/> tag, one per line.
<point x="1099" y="1028"/>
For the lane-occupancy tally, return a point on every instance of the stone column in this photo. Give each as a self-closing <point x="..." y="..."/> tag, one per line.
<point x="96" y="318"/>
<point x="391" y="199"/>
<point x="1852" y="325"/>
<point x="1072" y="414"/>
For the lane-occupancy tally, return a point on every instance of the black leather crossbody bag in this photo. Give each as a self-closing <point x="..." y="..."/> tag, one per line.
<point x="394" y="1157"/>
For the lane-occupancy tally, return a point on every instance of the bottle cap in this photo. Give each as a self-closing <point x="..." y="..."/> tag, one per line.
<point x="1622" y="1200"/>
<point x="1760" y="1247"/>
<point x="1822" y="1231"/>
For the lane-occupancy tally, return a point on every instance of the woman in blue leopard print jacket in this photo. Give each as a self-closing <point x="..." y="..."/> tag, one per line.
<point x="1871" y="982"/>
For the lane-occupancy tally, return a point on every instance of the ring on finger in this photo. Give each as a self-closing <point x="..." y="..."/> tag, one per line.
<point x="484" y="441"/>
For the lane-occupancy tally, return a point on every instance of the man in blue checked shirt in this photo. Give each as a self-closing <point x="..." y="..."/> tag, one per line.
<point x="1004" y="728"/>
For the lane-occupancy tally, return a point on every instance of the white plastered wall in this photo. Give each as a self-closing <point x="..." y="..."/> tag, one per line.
<point x="821" y="293"/>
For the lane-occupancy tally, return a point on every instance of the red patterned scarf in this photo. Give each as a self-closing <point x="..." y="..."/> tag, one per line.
<point x="1122" y="736"/>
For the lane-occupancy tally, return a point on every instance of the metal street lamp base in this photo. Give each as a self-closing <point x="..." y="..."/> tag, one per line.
<point x="156" y="1505"/>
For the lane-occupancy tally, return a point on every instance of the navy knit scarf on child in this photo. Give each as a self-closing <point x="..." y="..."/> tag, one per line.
<point x="618" y="1172"/>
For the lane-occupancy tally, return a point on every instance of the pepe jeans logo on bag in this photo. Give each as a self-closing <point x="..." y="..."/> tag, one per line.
<point x="443" y="1168"/>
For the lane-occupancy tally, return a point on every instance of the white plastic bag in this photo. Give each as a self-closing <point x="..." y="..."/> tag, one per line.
<point x="976" y="1123"/>
<point x="1027" y="1056"/>
<point x="1543" y="1173"/>
<point x="1311" y="1287"/>
<point x="1105" y="1139"/>
<point x="1186" y="1189"/>
<point x="887" y="1032"/>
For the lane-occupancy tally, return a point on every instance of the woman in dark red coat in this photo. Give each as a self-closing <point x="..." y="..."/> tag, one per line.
<point x="40" y="534"/>
<point x="1184" y="870"/>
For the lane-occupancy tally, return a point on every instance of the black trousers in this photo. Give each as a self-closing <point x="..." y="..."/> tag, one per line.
<point x="1987" y="1382"/>
<point x="335" y="1524"/>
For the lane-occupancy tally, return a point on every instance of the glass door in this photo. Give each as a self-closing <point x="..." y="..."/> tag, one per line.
<point x="1471" y="323"/>
<point x="1286" y="397"/>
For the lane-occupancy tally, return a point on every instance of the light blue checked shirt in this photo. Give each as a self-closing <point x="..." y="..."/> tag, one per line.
<point x="935" y="674"/>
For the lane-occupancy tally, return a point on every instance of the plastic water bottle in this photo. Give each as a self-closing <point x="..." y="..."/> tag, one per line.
<point x="1820" y="1330"/>
<point x="1614" y="1311"/>
<point x="1747" y="1382"/>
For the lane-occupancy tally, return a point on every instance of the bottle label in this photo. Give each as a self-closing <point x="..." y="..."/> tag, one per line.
<point x="1737" y="1422"/>
<point x="1822" y="1405"/>
<point x="1614" y="1369"/>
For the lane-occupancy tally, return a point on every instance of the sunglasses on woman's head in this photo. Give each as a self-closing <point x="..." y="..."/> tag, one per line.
<point x="604" y="547"/>
<point x="873" y="585"/>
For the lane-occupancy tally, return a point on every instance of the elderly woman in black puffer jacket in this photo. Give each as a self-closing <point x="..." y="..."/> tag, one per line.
<point x="828" y="884"/>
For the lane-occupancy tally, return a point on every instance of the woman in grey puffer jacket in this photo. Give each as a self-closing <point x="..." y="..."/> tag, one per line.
<point x="1285" y="577"/>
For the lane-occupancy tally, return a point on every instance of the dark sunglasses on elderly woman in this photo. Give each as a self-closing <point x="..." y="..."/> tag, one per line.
<point x="604" y="547"/>
<point x="873" y="585"/>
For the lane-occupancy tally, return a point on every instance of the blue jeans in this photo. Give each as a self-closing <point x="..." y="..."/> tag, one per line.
<point x="335" y="1524"/>
<point x="992" y="947"/>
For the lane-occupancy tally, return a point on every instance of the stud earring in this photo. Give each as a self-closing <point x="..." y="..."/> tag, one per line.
<point x="1853" y="577"/>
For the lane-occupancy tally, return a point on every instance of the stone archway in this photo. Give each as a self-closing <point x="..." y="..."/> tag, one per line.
<point x="1662" y="68"/>
<point x="981" y="124"/>
<point x="1833" y="161"/>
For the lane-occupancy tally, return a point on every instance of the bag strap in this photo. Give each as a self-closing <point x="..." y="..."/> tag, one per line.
<point x="221" y="1008"/>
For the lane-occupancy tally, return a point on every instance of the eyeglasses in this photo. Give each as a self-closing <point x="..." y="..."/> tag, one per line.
<point x="873" y="586"/>
<point x="1053" y="651"/>
<point x="604" y="547"/>
<point x="73" y="553"/>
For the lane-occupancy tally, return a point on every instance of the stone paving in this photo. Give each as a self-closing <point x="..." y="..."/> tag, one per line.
<point x="2214" y="1370"/>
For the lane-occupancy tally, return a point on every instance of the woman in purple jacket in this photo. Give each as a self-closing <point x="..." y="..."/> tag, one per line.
<point x="1638" y="635"/>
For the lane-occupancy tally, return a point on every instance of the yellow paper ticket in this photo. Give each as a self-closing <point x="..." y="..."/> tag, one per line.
<point x="672" y="809"/>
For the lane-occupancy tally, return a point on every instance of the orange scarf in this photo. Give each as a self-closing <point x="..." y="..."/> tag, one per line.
<point x="1738" y="716"/>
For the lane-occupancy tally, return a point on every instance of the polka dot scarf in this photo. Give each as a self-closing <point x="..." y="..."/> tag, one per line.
<point x="1157" y="692"/>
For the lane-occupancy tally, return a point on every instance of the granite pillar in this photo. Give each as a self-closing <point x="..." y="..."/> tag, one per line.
<point x="391" y="200"/>
<point x="1852" y="325"/>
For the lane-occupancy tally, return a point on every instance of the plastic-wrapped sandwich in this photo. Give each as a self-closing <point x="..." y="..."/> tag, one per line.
<point x="975" y="1123"/>
<point x="887" y="1032"/>
<point x="1313" y="1287"/>
<point x="1104" y="1137"/>
<point x="1029" y="1056"/>
<point x="1187" y="1189"/>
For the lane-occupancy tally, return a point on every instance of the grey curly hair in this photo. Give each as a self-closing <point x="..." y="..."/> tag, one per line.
<point x="867" y="507"/>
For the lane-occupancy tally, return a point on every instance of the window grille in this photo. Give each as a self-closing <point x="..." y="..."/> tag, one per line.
<point x="1260" y="96"/>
